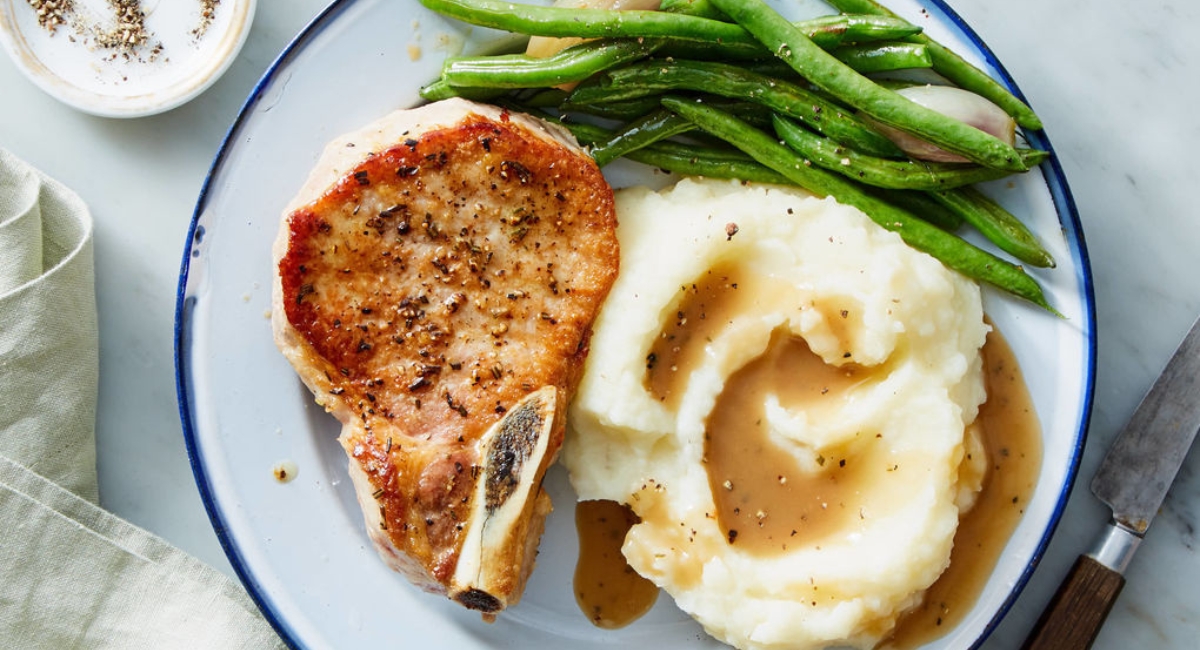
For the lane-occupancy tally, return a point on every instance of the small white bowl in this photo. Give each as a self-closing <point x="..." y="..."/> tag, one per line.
<point x="72" y="67"/>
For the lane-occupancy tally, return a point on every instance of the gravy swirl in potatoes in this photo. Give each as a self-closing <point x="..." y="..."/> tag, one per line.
<point x="782" y="391"/>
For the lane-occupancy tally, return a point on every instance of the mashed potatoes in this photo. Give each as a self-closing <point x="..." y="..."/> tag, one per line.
<point x="780" y="389"/>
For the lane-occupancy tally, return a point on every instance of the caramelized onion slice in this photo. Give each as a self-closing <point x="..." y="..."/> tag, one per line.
<point x="962" y="105"/>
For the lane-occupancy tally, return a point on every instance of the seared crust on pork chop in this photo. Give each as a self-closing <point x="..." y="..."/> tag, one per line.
<point x="437" y="280"/>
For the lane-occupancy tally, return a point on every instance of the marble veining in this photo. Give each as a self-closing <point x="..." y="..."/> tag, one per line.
<point x="1115" y="83"/>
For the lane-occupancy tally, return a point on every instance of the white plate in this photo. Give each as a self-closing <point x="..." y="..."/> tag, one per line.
<point x="69" y="66"/>
<point x="301" y="548"/>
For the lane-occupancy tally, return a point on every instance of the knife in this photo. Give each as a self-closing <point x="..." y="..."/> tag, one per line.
<point x="1133" y="480"/>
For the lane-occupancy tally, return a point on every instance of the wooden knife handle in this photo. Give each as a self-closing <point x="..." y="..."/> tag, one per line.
<point x="1074" y="616"/>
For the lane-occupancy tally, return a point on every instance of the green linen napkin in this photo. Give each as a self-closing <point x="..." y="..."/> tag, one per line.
<point x="71" y="574"/>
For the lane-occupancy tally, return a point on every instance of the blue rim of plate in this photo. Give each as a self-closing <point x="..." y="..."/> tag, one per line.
<point x="1064" y="205"/>
<point x="1068" y="216"/>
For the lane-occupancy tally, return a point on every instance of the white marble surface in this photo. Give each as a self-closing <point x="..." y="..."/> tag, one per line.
<point x="1115" y="82"/>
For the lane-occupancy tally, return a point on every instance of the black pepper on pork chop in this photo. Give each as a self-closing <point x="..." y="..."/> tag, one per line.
<point x="438" y="277"/>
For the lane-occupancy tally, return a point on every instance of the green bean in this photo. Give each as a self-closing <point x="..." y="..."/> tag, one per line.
<point x="724" y="154"/>
<point x="954" y="68"/>
<point x="886" y="106"/>
<point x="950" y="250"/>
<point x="841" y="29"/>
<point x="920" y="205"/>
<point x="755" y="114"/>
<point x="635" y="109"/>
<point x="829" y="32"/>
<point x="626" y="110"/>
<point x="778" y="69"/>
<point x="572" y="64"/>
<point x="859" y="28"/>
<point x="587" y="23"/>
<point x="702" y="8"/>
<point x="883" y="57"/>
<point x="698" y="163"/>
<point x="648" y="130"/>
<point x="867" y="58"/>
<point x="995" y="223"/>
<point x="725" y="52"/>
<point x="439" y="90"/>
<point x="642" y="79"/>
<point x="545" y="98"/>
<point x="685" y="159"/>
<point x="882" y="172"/>
<point x="592" y="134"/>
<point x="691" y="24"/>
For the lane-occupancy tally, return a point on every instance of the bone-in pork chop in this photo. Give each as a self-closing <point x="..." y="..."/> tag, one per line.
<point x="438" y="276"/>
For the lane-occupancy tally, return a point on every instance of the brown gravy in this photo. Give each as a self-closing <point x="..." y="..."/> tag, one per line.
<point x="766" y="502"/>
<point x="607" y="589"/>
<point x="704" y="308"/>
<point x="761" y="492"/>
<point x="1012" y="437"/>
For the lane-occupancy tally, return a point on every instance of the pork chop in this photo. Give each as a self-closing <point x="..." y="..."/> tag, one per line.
<point x="437" y="278"/>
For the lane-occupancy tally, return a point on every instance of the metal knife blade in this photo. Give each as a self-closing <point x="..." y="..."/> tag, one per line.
<point x="1133" y="480"/>
<point x="1138" y="471"/>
